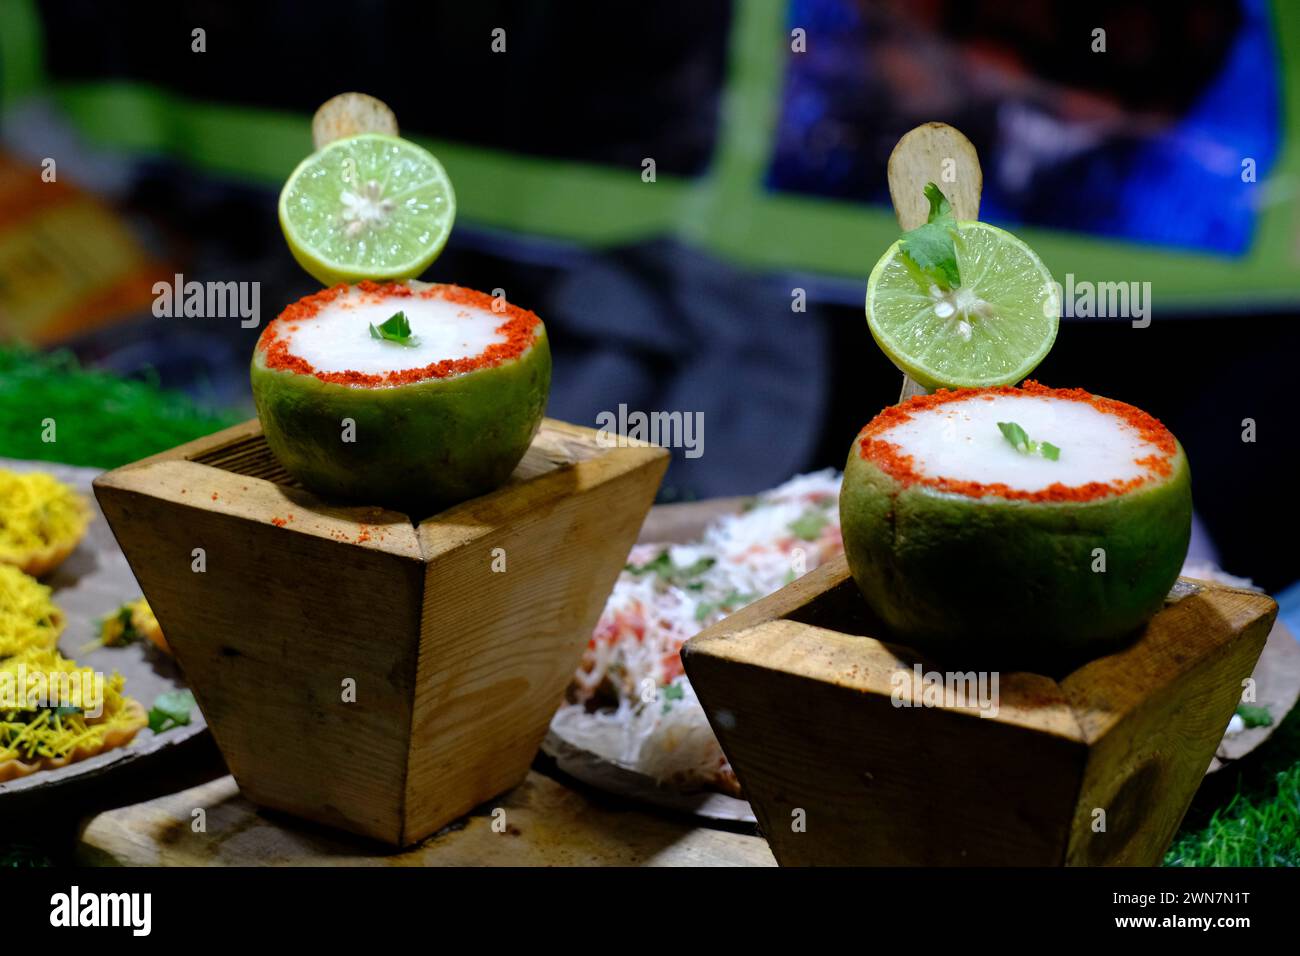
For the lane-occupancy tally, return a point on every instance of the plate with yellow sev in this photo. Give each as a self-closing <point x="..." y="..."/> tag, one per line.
<point x="81" y="662"/>
<point x="54" y="712"/>
<point x="29" y="618"/>
<point x="42" y="520"/>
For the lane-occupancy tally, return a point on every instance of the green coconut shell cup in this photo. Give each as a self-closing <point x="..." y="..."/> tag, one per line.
<point x="417" y="447"/>
<point x="992" y="582"/>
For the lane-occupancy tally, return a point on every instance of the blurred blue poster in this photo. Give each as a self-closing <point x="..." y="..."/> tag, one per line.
<point x="1103" y="118"/>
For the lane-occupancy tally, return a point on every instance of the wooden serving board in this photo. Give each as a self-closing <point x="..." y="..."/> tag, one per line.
<point x="539" y="823"/>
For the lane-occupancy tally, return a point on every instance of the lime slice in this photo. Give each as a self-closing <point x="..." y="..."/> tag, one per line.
<point x="993" y="329"/>
<point x="367" y="207"/>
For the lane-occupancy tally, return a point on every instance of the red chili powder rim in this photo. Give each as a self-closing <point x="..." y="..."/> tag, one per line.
<point x="520" y="330"/>
<point x="889" y="457"/>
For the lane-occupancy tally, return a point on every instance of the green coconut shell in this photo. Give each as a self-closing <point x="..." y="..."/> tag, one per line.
<point x="995" y="582"/>
<point x="418" y="447"/>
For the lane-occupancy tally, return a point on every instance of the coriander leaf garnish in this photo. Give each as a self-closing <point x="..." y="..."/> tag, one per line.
<point x="171" y="709"/>
<point x="396" y="329"/>
<point x="1021" y="442"/>
<point x="930" y="251"/>
<point x="1254" y="716"/>
<point x="671" y="693"/>
<point x="1016" y="435"/>
<point x="808" y="525"/>
<point x="734" y="599"/>
<point x="126" y="618"/>
<point x="662" y="566"/>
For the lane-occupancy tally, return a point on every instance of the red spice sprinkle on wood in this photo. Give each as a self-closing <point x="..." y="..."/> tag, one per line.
<point x="902" y="468"/>
<point x="278" y="522"/>
<point x="520" y="330"/>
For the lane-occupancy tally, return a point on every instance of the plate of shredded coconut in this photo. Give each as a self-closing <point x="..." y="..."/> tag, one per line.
<point x="631" y="721"/>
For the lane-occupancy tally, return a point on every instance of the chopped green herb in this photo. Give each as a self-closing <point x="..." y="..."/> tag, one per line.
<point x="809" y="525"/>
<point x="662" y="566"/>
<point x="171" y="709"/>
<point x="129" y="634"/>
<point x="66" y="711"/>
<point x="930" y="251"/>
<point x="397" y="329"/>
<point x="671" y="693"/>
<point x="1255" y="716"/>
<point x="1016" y="435"/>
<point x="735" y="599"/>
<point x="1021" y="443"/>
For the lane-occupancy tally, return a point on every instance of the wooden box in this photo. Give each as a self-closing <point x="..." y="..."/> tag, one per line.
<point x="1094" y="767"/>
<point x="356" y="668"/>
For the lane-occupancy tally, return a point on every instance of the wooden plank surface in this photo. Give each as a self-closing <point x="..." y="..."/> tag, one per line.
<point x="544" y="824"/>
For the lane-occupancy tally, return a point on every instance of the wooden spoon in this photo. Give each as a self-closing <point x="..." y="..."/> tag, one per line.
<point x="933" y="153"/>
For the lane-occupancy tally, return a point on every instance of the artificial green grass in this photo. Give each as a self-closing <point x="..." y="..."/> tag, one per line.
<point x="1247" y="814"/>
<point x="19" y="856"/>
<point x="96" y="418"/>
<point x="1247" y="832"/>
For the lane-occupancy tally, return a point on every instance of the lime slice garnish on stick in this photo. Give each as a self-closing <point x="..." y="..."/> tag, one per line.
<point x="962" y="304"/>
<point x="369" y="206"/>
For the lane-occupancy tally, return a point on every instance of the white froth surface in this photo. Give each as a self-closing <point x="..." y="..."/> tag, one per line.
<point x="961" y="441"/>
<point x="338" y="338"/>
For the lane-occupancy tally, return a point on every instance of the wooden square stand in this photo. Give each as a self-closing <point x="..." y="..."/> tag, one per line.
<point x="1096" y="767"/>
<point x="360" y="670"/>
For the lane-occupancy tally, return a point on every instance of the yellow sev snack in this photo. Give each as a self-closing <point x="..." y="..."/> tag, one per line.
<point x="53" y="713"/>
<point x="28" y="616"/>
<point x="41" y="521"/>
<point x="132" y="622"/>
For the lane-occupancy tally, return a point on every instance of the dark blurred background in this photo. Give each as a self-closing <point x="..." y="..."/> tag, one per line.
<point x="1169" y="157"/>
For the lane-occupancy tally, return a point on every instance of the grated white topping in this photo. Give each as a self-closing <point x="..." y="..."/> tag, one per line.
<point x="338" y="339"/>
<point x="962" y="441"/>
<point x="656" y="725"/>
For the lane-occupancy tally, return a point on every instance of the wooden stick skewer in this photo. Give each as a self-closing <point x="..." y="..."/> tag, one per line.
<point x="933" y="153"/>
